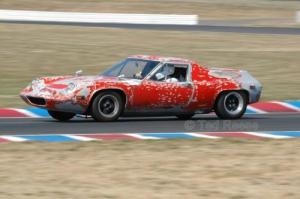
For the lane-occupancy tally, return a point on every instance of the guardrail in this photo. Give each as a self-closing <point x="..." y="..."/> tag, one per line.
<point x="78" y="17"/>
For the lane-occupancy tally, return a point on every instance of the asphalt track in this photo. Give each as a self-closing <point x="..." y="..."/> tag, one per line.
<point x="200" y="123"/>
<point x="206" y="28"/>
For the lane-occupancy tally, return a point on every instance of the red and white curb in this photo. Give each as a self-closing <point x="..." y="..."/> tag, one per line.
<point x="275" y="106"/>
<point x="257" y="108"/>
<point x="148" y="136"/>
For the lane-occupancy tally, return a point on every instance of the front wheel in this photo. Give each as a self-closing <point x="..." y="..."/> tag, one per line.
<point x="231" y="105"/>
<point x="61" y="116"/>
<point x="107" y="106"/>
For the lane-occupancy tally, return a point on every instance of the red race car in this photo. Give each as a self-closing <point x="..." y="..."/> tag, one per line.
<point x="146" y="84"/>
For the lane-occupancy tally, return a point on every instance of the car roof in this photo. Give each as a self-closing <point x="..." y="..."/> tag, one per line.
<point x="161" y="59"/>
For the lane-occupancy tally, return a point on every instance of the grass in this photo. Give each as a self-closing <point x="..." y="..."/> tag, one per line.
<point x="152" y="169"/>
<point x="30" y="51"/>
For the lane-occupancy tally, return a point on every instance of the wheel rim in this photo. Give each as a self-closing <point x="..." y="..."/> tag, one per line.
<point x="108" y="105"/>
<point x="233" y="103"/>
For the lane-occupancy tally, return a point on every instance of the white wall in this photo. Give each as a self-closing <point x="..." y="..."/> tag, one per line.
<point x="77" y="17"/>
<point x="298" y="16"/>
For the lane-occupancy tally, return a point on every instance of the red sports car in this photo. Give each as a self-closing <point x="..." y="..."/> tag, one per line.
<point x="146" y="84"/>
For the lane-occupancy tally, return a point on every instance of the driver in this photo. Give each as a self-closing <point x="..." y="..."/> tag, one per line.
<point x="169" y="70"/>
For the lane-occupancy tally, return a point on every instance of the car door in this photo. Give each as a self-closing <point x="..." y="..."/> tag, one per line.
<point x="161" y="93"/>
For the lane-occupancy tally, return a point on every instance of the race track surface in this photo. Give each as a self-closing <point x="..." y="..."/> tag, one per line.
<point x="207" y="28"/>
<point x="200" y="123"/>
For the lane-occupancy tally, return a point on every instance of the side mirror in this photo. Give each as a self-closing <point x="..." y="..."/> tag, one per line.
<point x="78" y="73"/>
<point x="159" y="76"/>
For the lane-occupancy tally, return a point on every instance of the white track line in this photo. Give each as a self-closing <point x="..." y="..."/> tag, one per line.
<point x="199" y="135"/>
<point x="251" y="108"/>
<point x="79" y="137"/>
<point x="266" y="135"/>
<point x="142" y="136"/>
<point x="13" y="138"/>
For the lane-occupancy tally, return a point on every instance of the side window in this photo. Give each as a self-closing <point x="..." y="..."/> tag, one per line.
<point x="171" y="73"/>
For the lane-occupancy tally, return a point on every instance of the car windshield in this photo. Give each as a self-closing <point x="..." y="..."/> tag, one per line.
<point x="131" y="68"/>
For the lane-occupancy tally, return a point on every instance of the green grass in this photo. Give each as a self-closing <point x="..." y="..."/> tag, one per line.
<point x="30" y="51"/>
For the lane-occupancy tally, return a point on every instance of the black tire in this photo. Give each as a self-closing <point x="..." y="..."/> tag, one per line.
<point x="185" y="116"/>
<point x="107" y="106"/>
<point x="61" y="116"/>
<point x="231" y="105"/>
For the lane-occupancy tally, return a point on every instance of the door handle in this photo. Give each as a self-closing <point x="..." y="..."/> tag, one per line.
<point x="186" y="84"/>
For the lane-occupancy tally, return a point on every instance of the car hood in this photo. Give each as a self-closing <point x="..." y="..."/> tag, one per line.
<point x="58" y="86"/>
<point x="63" y="82"/>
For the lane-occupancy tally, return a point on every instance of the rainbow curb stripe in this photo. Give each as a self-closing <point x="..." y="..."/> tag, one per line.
<point x="257" y="108"/>
<point x="148" y="136"/>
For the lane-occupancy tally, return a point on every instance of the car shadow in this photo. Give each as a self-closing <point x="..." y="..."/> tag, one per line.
<point x="158" y="119"/>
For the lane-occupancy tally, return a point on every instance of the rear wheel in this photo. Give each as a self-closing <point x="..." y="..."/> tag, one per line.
<point x="231" y="105"/>
<point x="185" y="116"/>
<point x="61" y="116"/>
<point x="107" y="106"/>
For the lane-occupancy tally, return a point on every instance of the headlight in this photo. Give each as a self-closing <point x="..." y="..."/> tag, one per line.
<point x="37" y="84"/>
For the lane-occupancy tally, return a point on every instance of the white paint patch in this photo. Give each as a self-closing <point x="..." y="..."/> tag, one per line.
<point x="77" y="17"/>
<point x="133" y="82"/>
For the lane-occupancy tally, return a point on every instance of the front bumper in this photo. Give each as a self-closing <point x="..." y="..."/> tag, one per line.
<point x="64" y="105"/>
<point x="34" y="101"/>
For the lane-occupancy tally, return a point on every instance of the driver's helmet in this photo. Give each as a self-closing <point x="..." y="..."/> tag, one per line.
<point x="169" y="70"/>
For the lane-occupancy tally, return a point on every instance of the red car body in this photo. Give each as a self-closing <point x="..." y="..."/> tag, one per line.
<point x="197" y="93"/>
